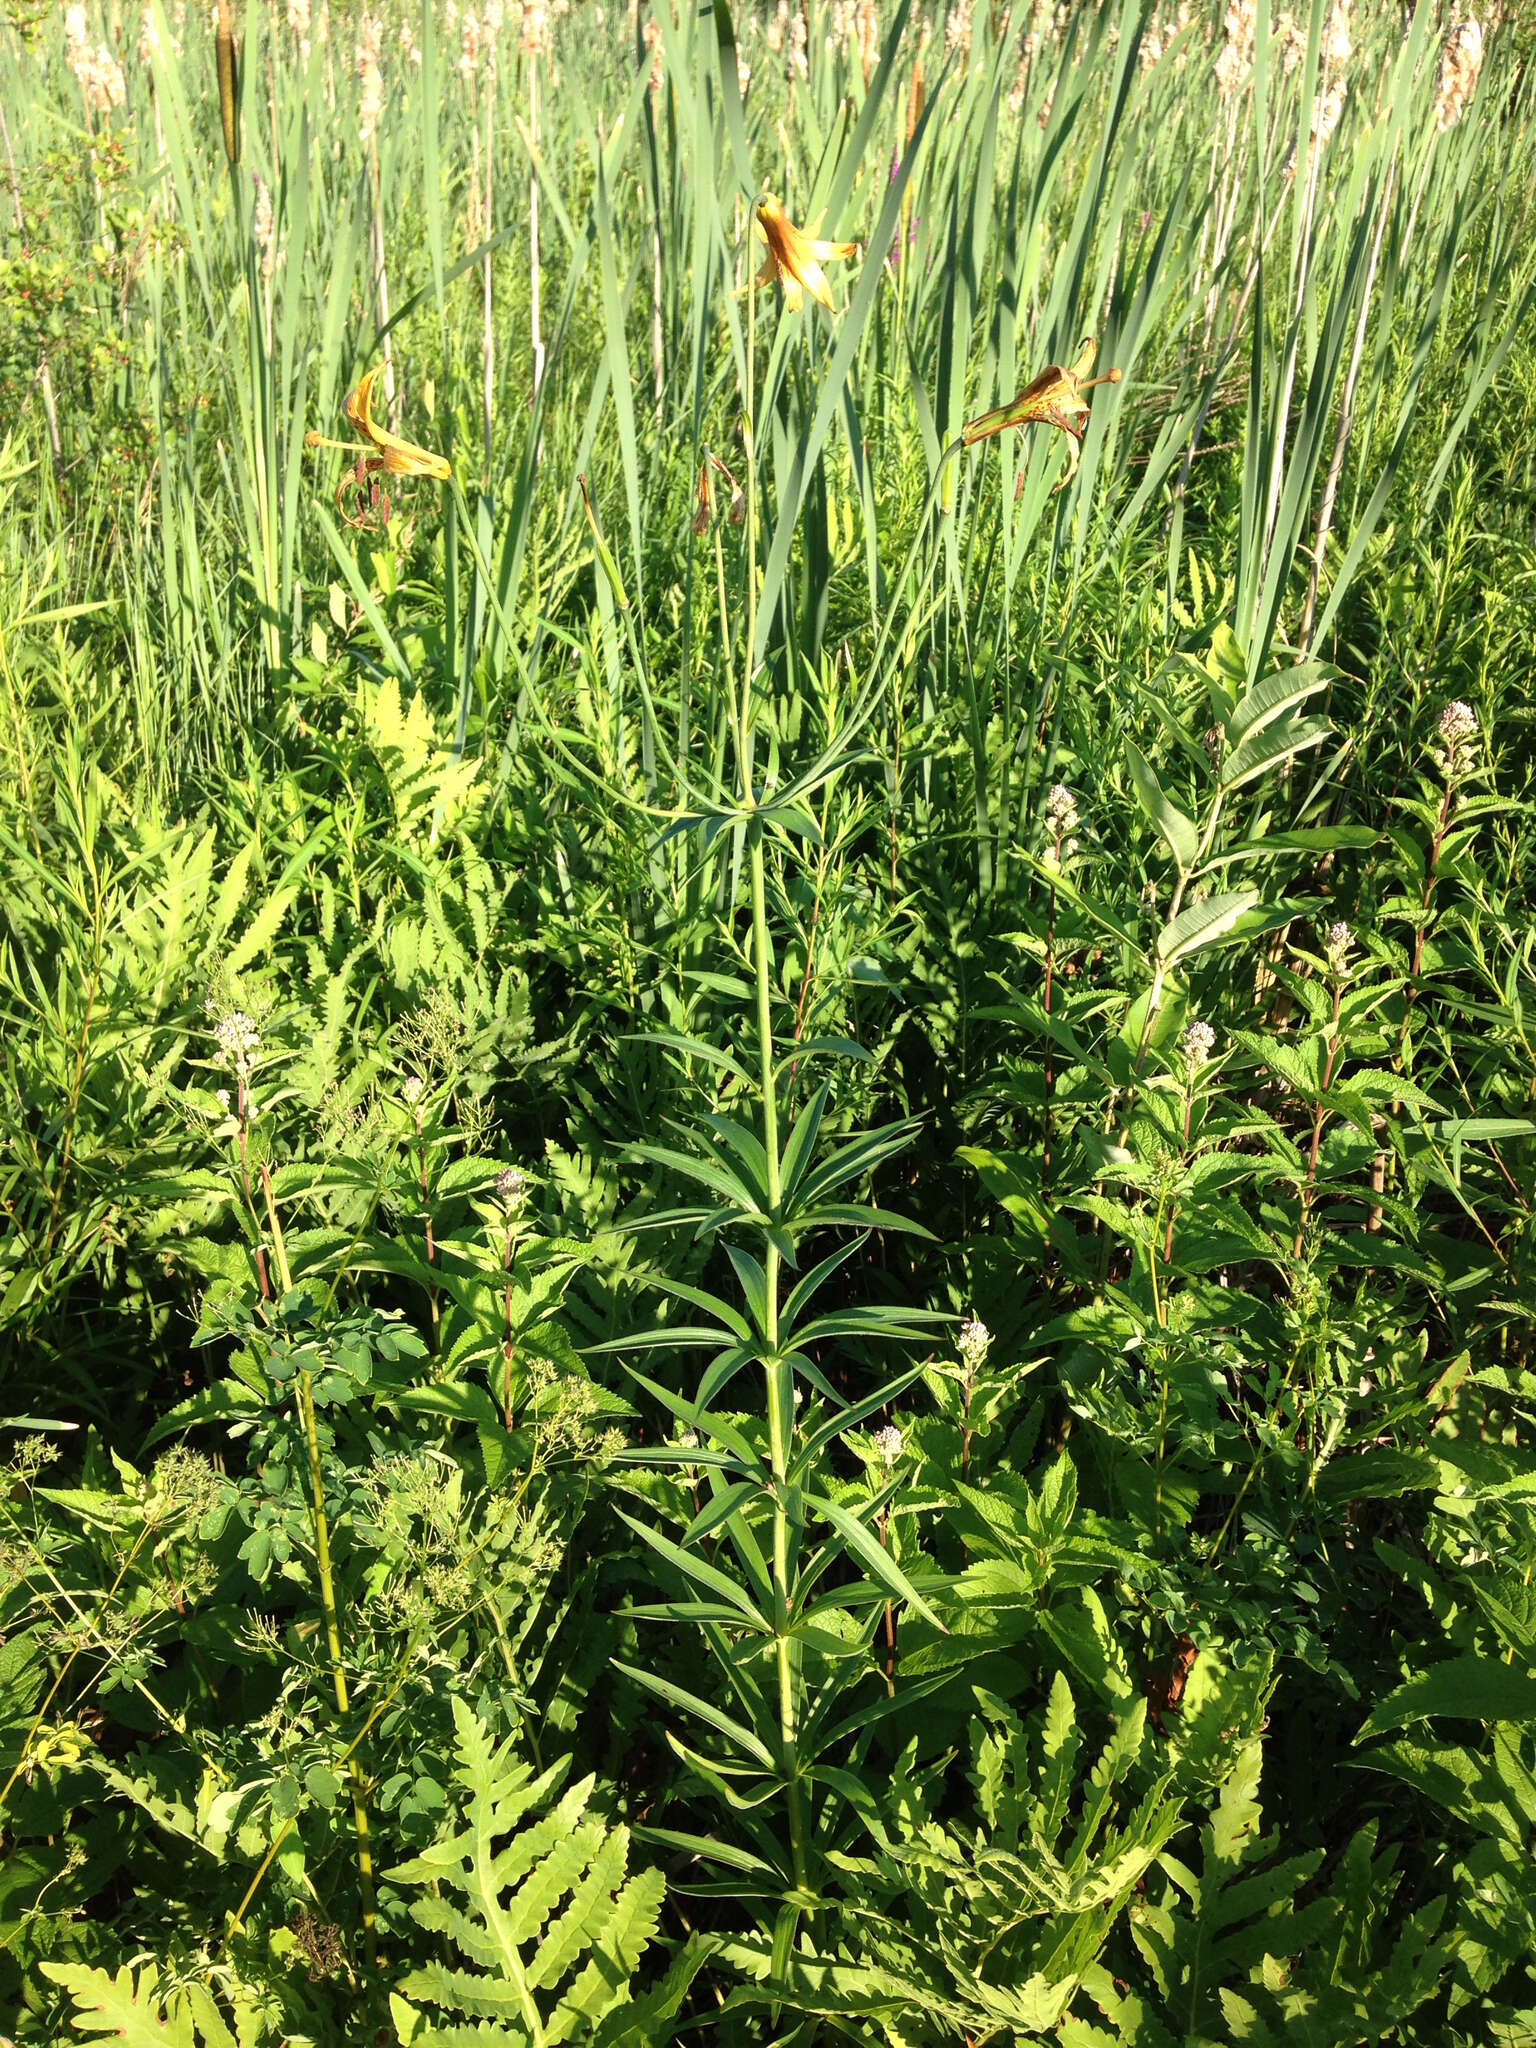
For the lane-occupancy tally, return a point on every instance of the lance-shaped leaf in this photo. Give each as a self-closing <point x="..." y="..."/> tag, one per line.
<point x="1267" y="748"/>
<point x="1274" y="696"/>
<point x="701" y="1571"/>
<point x="702" y="1710"/>
<point x="863" y="1545"/>
<point x="1178" y="832"/>
<point x="1203" y="924"/>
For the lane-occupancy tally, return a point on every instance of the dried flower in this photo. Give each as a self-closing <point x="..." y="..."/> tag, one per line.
<point x="97" y="71"/>
<point x="1197" y="1041"/>
<point x="973" y="1343"/>
<point x="799" y="65"/>
<point x="1461" y="64"/>
<point x="658" y="59"/>
<point x="1291" y="39"/>
<point x="1329" y="107"/>
<point x="888" y="1442"/>
<point x="533" y="34"/>
<point x="298" y="23"/>
<point x="511" y="1188"/>
<point x="1053" y="399"/>
<point x="1236" y="59"/>
<point x="370" y="98"/>
<point x="264" y="228"/>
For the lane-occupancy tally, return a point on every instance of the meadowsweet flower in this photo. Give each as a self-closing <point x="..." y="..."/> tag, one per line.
<point x="1053" y="399"/>
<point x="1061" y="822"/>
<point x="973" y="1343"/>
<point x="1339" y="942"/>
<point x="1197" y="1041"/>
<point x="1461" y="64"/>
<point x="794" y="259"/>
<point x="888" y="1442"/>
<point x="1455" y="736"/>
<point x="511" y="1188"/>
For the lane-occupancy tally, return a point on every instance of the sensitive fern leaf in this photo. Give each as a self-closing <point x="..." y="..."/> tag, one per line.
<point x="535" y="1899"/>
<point x="142" y="2014"/>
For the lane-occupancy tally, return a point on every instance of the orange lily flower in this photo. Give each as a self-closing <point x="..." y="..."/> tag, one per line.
<point x="380" y="449"/>
<point x="400" y="458"/>
<point x="794" y="259"/>
<point x="1053" y="399"/>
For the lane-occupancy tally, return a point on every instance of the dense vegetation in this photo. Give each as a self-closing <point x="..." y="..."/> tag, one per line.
<point x="767" y="1144"/>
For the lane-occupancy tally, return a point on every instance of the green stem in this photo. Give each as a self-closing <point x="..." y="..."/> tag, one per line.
<point x="306" y="1390"/>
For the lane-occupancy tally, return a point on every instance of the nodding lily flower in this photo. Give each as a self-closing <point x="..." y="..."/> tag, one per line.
<point x="795" y="259"/>
<point x="380" y="449"/>
<point x="1053" y="399"/>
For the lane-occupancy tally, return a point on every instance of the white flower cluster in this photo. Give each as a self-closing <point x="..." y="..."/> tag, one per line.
<point x="888" y="1442"/>
<point x="1340" y="940"/>
<point x="238" y="1039"/>
<point x="1455" y="735"/>
<point x="1197" y="1041"/>
<point x="511" y="1188"/>
<point x="1061" y="821"/>
<point x="973" y="1344"/>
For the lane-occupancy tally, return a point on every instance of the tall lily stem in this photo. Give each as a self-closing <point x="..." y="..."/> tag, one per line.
<point x="780" y="1394"/>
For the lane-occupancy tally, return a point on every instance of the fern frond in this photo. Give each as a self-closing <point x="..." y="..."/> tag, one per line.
<point x="548" y="1928"/>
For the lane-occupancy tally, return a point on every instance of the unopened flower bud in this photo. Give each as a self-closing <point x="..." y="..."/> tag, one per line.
<point x="511" y="1188"/>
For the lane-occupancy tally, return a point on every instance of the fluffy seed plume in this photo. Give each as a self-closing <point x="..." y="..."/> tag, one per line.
<point x="1461" y="64"/>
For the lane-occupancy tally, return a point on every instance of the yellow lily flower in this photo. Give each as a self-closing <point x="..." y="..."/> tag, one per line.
<point x="1053" y="399"/>
<point x="794" y="259"/>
